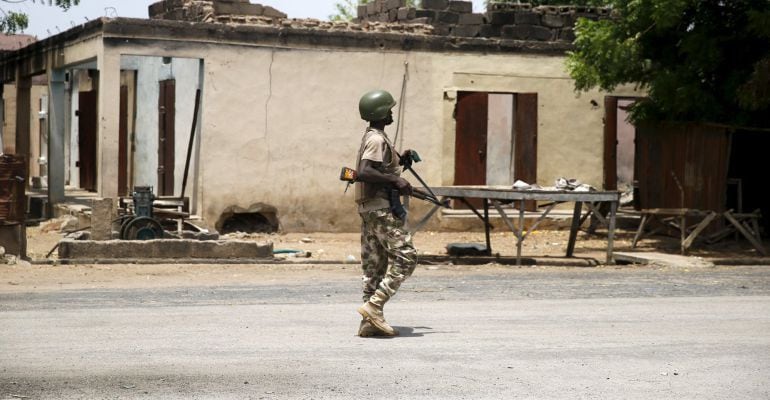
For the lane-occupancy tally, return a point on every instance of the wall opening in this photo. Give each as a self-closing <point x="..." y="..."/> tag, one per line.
<point x="259" y="218"/>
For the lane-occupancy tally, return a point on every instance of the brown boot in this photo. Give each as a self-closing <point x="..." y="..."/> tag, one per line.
<point x="374" y="315"/>
<point x="366" y="329"/>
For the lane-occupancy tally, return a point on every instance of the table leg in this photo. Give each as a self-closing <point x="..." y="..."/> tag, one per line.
<point x="520" y="235"/>
<point x="639" y="231"/>
<point x="611" y="232"/>
<point x="574" y="229"/>
<point x="486" y="226"/>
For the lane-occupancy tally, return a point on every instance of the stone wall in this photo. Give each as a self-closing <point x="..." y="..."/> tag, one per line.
<point x="214" y="11"/>
<point x="518" y="21"/>
<point x="506" y="20"/>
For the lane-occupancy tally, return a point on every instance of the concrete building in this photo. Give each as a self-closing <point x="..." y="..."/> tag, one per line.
<point x="278" y="112"/>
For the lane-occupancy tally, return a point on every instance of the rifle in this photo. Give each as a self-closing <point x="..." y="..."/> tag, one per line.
<point x="350" y="176"/>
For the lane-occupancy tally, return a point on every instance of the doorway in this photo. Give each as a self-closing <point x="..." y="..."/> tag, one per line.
<point x="496" y="139"/>
<point x="87" y="123"/>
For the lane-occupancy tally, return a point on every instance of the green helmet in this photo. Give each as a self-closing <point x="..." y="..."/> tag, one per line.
<point x="374" y="105"/>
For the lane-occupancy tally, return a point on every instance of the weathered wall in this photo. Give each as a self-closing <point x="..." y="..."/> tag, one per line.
<point x="279" y="123"/>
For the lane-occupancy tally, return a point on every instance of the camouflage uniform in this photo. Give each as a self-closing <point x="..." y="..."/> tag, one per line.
<point x="382" y="237"/>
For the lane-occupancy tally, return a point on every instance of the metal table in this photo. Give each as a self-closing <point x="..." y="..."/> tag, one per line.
<point x="496" y="195"/>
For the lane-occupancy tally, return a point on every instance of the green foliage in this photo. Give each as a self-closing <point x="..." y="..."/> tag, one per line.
<point x="13" y="22"/>
<point x="697" y="60"/>
<point x="347" y="10"/>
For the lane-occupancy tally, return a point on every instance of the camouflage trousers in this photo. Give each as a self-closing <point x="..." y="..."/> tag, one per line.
<point x="384" y="238"/>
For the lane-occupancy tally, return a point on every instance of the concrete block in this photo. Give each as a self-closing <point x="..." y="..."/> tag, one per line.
<point x="419" y="21"/>
<point x="171" y="5"/>
<point x="447" y="17"/>
<point x="438" y="5"/>
<point x="460" y="6"/>
<point x="430" y="14"/>
<point x="102" y="211"/>
<point x="502" y="17"/>
<point x="527" y="18"/>
<point x="394" y="4"/>
<point x="380" y="6"/>
<point x="13" y="237"/>
<point x="527" y="32"/>
<point x="553" y="20"/>
<point x="471" y="19"/>
<point x="272" y="12"/>
<point x="361" y="12"/>
<point x="156" y="9"/>
<point x="489" y="30"/>
<point x="567" y="35"/>
<point x="442" y="30"/>
<point x="162" y="249"/>
<point x="371" y="9"/>
<point x="227" y="8"/>
<point x="466" y="30"/>
<point x="405" y="13"/>
<point x="176" y="15"/>
<point x="393" y="15"/>
<point x="383" y="17"/>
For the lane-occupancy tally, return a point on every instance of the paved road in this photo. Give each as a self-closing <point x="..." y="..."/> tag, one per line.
<point x="629" y="333"/>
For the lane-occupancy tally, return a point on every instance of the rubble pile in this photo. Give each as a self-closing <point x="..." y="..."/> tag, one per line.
<point x="516" y="21"/>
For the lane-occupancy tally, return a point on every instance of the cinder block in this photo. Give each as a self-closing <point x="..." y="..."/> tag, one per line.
<point x="361" y="12"/>
<point x="466" y="30"/>
<point x="272" y="12"/>
<point x="447" y="17"/>
<point x="382" y="17"/>
<point x="227" y="8"/>
<point x="489" y="30"/>
<point x="405" y="13"/>
<point x="527" y="18"/>
<point x="527" y="32"/>
<point x="380" y="5"/>
<point x="421" y="20"/>
<point x="393" y="15"/>
<point x="567" y="35"/>
<point x="471" y="19"/>
<point x="430" y="14"/>
<point x="395" y="4"/>
<point x="101" y="219"/>
<point x="461" y="6"/>
<point x="502" y="17"/>
<point x="553" y="20"/>
<point x="438" y="5"/>
<point x="156" y="9"/>
<point x="371" y="9"/>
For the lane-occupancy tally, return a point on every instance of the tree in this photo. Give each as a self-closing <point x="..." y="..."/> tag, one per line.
<point x="12" y="22"/>
<point x="348" y="9"/>
<point x="697" y="60"/>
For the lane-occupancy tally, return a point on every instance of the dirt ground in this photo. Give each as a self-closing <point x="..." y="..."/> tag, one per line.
<point x="332" y="256"/>
<point x="345" y="247"/>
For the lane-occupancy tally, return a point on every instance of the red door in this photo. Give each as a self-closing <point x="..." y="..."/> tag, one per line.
<point x="471" y="140"/>
<point x="166" y="115"/>
<point x="87" y="120"/>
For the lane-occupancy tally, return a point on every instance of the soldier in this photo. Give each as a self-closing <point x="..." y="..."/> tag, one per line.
<point x="383" y="236"/>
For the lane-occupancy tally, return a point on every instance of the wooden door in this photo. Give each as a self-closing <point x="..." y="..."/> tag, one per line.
<point x="87" y="122"/>
<point x="471" y="140"/>
<point x="525" y="149"/>
<point x="123" y="143"/>
<point x="166" y="115"/>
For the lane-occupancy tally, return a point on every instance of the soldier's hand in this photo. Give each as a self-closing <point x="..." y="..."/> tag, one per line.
<point x="403" y="186"/>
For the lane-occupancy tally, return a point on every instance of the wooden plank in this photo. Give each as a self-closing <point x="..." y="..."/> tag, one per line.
<point x="611" y="233"/>
<point x="640" y="230"/>
<point x="757" y="244"/>
<point x="698" y="229"/>
<point x="610" y="143"/>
